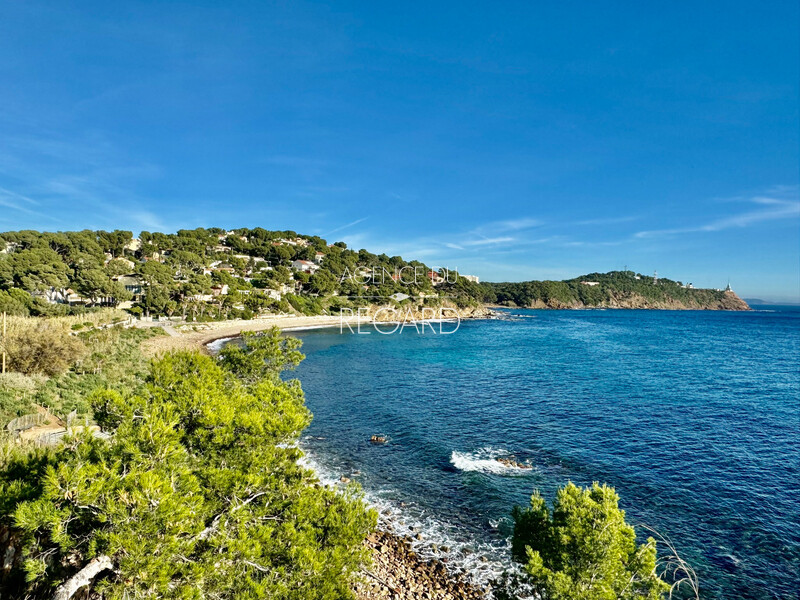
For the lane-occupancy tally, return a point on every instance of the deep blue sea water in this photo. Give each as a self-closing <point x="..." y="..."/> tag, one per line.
<point x="694" y="417"/>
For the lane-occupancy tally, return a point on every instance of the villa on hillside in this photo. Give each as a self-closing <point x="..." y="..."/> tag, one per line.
<point x="133" y="285"/>
<point x="435" y="278"/>
<point x="52" y="295"/>
<point x="306" y="266"/>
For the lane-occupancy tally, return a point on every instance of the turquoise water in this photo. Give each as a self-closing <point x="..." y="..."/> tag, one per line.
<point x="694" y="417"/>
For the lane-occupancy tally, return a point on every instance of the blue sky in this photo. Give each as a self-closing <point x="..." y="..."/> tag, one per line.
<point x="513" y="140"/>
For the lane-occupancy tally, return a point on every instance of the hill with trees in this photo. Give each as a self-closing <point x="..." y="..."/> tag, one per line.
<point x="617" y="289"/>
<point x="208" y="274"/>
<point x="212" y="274"/>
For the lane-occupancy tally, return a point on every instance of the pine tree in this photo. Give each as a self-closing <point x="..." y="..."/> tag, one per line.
<point x="197" y="493"/>
<point x="584" y="549"/>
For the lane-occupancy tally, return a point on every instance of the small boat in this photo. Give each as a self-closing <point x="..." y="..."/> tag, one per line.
<point x="378" y="439"/>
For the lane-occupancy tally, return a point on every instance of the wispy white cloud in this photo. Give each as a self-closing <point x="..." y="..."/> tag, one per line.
<point x="21" y="203"/>
<point x="504" y="226"/>
<point x="770" y="209"/>
<point x="10" y="195"/>
<point x="87" y="176"/>
<point x="488" y="241"/>
<point x="515" y="224"/>
<point x="351" y="224"/>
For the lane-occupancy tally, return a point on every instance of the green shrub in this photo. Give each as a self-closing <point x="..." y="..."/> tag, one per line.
<point x="584" y="549"/>
<point x="197" y="494"/>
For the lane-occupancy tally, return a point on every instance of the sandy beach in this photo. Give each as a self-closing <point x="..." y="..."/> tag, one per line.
<point x="184" y="336"/>
<point x="197" y="335"/>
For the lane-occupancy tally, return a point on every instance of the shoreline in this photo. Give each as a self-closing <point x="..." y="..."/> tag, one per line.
<point x="198" y="336"/>
<point x="397" y="571"/>
<point x="400" y="573"/>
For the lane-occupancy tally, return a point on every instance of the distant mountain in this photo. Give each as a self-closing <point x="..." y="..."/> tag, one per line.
<point x="760" y="302"/>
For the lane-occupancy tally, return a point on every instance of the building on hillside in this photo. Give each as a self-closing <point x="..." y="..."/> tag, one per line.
<point x="9" y="247"/>
<point x="52" y="295"/>
<point x="319" y="257"/>
<point x="201" y="297"/>
<point x="221" y="266"/>
<point x="221" y="248"/>
<point x="134" y="245"/>
<point x="306" y="266"/>
<point x="132" y="285"/>
<point x="128" y="263"/>
<point x="435" y="278"/>
<point x="590" y="283"/>
<point x="472" y="278"/>
<point x="728" y="287"/>
<point x="220" y="290"/>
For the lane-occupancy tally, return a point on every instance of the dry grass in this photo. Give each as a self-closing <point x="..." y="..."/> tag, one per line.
<point x="44" y="344"/>
<point x="103" y="316"/>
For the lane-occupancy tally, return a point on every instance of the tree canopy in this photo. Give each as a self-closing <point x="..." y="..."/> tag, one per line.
<point x="583" y="549"/>
<point x="196" y="493"/>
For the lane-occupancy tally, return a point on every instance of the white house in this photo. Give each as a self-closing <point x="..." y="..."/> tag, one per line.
<point x="319" y="257"/>
<point x="592" y="283"/>
<point x="472" y="278"/>
<point x="53" y="295"/>
<point x="9" y="248"/>
<point x="305" y="266"/>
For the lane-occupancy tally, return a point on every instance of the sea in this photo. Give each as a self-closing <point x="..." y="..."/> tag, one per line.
<point x="692" y="416"/>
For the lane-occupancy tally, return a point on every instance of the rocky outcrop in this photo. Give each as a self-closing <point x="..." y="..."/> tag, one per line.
<point x="399" y="573"/>
<point x="447" y="310"/>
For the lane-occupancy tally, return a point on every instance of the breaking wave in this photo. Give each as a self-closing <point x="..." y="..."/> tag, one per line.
<point x="487" y="460"/>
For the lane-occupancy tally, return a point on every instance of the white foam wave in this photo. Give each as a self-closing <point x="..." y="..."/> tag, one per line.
<point x="215" y="346"/>
<point x="478" y="561"/>
<point x="485" y="460"/>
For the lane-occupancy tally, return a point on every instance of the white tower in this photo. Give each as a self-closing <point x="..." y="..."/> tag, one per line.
<point x="655" y="277"/>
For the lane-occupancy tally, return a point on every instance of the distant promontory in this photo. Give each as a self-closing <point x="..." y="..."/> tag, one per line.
<point x="617" y="289"/>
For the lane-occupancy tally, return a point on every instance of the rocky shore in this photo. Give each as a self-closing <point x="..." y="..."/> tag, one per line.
<point x="728" y="301"/>
<point x="399" y="573"/>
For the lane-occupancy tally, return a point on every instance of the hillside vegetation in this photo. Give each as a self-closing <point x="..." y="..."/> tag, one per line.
<point x="208" y="274"/>
<point x="617" y="289"/>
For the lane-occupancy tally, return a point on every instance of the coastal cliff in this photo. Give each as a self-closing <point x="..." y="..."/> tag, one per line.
<point x="728" y="301"/>
<point x="617" y="289"/>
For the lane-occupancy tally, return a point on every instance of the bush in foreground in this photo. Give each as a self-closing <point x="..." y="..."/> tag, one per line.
<point x="197" y="494"/>
<point x="584" y="549"/>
